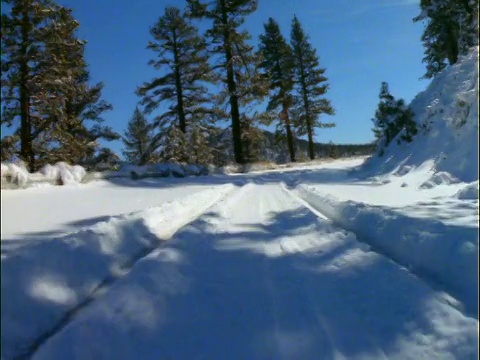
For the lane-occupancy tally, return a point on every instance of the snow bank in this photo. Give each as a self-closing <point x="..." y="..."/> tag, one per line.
<point x="447" y="254"/>
<point x="447" y="119"/>
<point x="17" y="175"/>
<point x="469" y="192"/>
<point x="42" y="282"/>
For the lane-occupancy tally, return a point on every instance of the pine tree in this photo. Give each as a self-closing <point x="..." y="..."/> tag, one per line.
<point x="45" y="84"/>
<point x="200" y="151"/>
<point x="279" y="65"/>
<point x="230" y="43"/>
<point x="312" y="85"/>
<point x="76" y="122"/>
<point x="183" y="60"/>
<point x="137" y="138"/>
<point x="452" y="28"/>
<point x="25" y="90"/>
<point x="392" y="118"/>
<point x="176" y="147"/>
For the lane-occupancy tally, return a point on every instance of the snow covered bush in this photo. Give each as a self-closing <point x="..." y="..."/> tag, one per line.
<point x="15" y="174"/>
<point x="63" y="173"/>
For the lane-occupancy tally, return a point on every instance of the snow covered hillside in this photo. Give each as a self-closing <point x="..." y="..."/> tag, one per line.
<point x="330" y="260"/>
<point x="447" y="118"/>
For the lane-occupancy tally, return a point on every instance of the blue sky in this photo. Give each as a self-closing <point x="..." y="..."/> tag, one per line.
<point x="360" y="42"/>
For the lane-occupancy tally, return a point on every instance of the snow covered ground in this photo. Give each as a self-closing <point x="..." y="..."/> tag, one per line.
<point x="252" y="269"/>
<point x="338" y="260"/>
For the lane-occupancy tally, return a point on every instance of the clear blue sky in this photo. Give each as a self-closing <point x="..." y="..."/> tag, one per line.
<point x="360" y="42"/>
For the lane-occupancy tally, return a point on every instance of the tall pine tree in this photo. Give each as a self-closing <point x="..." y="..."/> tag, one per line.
<point x="45" y="86"/>
<point x="278" y="64"/>
<point x="182" y="58"/>
<point x="25" y="89"/>
<point x="452" y="28"/>
<point x="311" y="87"/>
<point x="230" y="43"/>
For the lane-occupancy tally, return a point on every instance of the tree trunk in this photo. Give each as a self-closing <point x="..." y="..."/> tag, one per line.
<point x="311" y="148"/>
<point x="232" y="89"/>
<point x="291" y="148"/>
<point x="451" y="43"/>
<point x="306" y="104"/>
<point x="452" y="47"/>
<point x="26" y="150"/>
<point x="178" y="85"/>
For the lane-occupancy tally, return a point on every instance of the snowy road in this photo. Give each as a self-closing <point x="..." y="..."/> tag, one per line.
<point x="262" y="276"/>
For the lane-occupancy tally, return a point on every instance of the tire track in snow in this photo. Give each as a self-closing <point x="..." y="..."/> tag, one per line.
<point x="122" y="271"/>
<point x="426" y="278"/>
<point x="319" y="313"/>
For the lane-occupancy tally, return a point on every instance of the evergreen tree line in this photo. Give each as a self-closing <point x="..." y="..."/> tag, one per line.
<point x="451" y="30"/>
<point x="46" y="96"/>
<point x="285" y="75"/>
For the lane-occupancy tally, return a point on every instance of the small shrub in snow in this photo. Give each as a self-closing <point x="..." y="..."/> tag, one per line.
<point x="78" y="173"/>
<point x="62" y="173"/>
<point x="16" y="174"/>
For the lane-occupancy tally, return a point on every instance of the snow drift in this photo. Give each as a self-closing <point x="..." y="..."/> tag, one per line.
<point x="447" y="119"/>
<point x="61" y="173"/>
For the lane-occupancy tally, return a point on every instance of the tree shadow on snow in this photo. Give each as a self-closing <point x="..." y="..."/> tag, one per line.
<point x="293" y="287"/>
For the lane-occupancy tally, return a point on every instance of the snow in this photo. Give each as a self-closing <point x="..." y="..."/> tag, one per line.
<point x="348" y="259"/>
<point x="54" y="211"/>
<point x="41" y="283"/>
<point x="265" y="281"/>
<point x="445" y="252"/>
